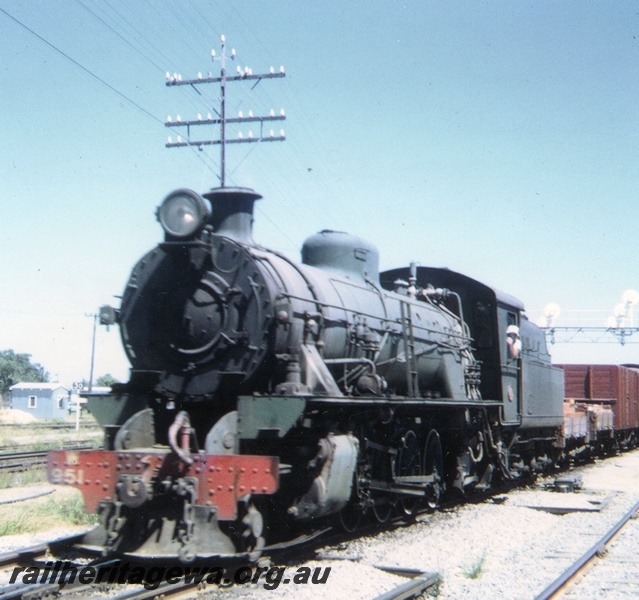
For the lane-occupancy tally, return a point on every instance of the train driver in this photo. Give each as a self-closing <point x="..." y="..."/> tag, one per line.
<point x="513" y="341"/>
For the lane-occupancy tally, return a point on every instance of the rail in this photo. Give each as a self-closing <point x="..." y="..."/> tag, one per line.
<point x="569" y="575"/>
<point x="21" y="461"/>
<point x="46" y="425"/>
<point x="420" y="581"/>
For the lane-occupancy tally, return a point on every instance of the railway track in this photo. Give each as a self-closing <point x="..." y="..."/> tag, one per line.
<point x="13" y="462"/>
<point x="30" y="556"/>
<point x="44" y="425"/>
<point x="594" y="561"/>
<point x="419" y="582"/>
<point x="118" y="582"/>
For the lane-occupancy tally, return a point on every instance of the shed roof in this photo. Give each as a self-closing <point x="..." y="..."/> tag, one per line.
<point x="24" y="385"/>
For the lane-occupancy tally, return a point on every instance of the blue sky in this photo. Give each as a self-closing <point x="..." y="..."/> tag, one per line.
<point x="499" y="139"/>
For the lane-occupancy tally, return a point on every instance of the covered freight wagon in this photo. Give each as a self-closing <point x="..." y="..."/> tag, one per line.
<point x="609" y="385"/>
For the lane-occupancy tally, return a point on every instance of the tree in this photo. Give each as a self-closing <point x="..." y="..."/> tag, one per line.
<point x="16" y="368"/>
<point x="106" y="380"/>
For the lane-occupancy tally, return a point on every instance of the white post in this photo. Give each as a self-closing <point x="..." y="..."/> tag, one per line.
<point x="77" y="413"/>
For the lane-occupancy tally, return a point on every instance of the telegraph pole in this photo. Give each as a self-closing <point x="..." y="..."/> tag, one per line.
<point x="245" y="74"/>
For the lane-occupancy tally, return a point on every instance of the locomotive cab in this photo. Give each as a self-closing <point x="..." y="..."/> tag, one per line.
<point x="519" y="375"/>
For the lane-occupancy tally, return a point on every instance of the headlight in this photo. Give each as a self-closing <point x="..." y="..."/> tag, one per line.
<point x="183" y="213"/>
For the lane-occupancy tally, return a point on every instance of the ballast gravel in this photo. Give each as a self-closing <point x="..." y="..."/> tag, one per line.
<point x="510" y="547"/>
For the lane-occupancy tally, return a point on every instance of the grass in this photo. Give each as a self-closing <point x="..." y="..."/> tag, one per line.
<point x="28" y="477"/>
<point x="15" y="525"/>
<point x="64" y="508"/>
<point x="433" y="591"/>
<point x="70" y="510"/>
<point x="38" y="437"/>
<point x="474" y="570"/>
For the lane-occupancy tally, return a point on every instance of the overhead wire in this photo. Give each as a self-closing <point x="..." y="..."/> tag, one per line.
<point x="89" y="72"/>
<point x="83" y="68"/>
<point x="208" y="163"/>
<point x="118" y="34"/>
<point x="312" y="140"/>
<point x="107" y="21"/>
<point x="195" y="5"/>
<point x="127" y="23"/>
<point x="188" y="24"/>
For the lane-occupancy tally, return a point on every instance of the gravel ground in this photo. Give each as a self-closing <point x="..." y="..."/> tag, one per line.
<point x="508" y="548"/>
<point x="512" y="550"/>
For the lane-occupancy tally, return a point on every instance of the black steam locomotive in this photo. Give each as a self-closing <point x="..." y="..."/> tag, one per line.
<point x="269" y="398"/>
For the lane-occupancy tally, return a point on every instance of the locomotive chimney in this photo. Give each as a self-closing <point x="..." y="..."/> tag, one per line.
<point x="232" y="212"/>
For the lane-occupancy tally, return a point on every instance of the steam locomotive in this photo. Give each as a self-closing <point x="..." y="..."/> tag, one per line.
<point x="269" y="398"/>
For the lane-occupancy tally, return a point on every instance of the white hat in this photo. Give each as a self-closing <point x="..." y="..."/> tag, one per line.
<point x="512" y="329"/>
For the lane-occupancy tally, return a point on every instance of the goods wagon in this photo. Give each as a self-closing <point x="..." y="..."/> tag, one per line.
<point x="615" y="387"/>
